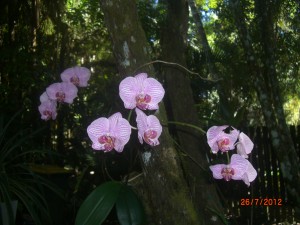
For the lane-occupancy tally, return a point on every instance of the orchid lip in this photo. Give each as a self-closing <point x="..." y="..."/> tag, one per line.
<point x="142" y="101"/>
<point x="60" y="96"/>
<point x="227" y="173"/>
<point x="149" y="135"/>
<point x="75" y="80"/>
<point x="107" y="142"/>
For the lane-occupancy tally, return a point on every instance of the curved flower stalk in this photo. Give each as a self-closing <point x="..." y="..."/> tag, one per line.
<point x="140" y="91"/>
<point x="238" y="169"/>
<point x="218" y="139"/>
<point x="79" y="76"/>
<point x="109" y="133"/>
<point x="62" y="92"/>
<point x="149" y="128"/>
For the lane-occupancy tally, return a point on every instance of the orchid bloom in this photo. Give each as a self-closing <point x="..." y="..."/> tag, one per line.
<point x="109" y="133"/>
<point x="47" y="110"/>
<point x="79" y="76"/>
<point x="244" y="145"/>
<point x="62" y="92"/>
<point x="140" y="91"/>
<point x="238" y="169"/>
<point x="149" y="128"/>
<point x="218" y="139"/>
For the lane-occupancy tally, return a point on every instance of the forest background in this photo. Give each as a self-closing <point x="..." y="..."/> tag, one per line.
<point x="220" y="62"/>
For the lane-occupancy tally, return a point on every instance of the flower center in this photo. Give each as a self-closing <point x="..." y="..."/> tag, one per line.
<point x="48" y="114"/>
<point x="227" y="173"/>
<point x="60" y="96"/>
<point x="75" y="80"/>
<point x="142" y="101"/>
<point x="223" y="144"/>
<point x="107" y="141"/>
<point x="149" y="135"/>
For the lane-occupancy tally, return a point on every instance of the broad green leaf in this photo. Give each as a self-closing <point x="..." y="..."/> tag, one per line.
<point x="130" y="210"/>
<point x="98" y="204"/>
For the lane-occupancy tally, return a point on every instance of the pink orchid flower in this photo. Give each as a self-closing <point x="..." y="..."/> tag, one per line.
<point x="47" y="110"/>
<point x="77" y="75"/>
<point x="62" y="92"/>
<point x="244" y="145"/>
<point x="109" y="133"/>
<point x="149" y="128"/>
<point x="140" y="91"/>
<point x="238" y="169"/>
<point x="218" y="139"/>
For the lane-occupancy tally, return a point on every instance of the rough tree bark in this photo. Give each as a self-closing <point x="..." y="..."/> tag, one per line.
<point x="182" y="109"/>
<point x="267" y="87"/>
<point x="164" y="186"/>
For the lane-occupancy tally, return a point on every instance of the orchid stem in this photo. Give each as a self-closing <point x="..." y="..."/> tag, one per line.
<point x="228" y="160"/>
<point x="187" y="125"/>
<point x="129" y="115"/>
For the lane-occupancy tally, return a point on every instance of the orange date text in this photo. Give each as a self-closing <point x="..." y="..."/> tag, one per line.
<point x="261" y="202"/>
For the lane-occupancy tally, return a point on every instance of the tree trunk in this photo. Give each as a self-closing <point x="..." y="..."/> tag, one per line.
<point x="182" y="109"/>
<point x="165" y="190"/>
<point x="267" y="87"/>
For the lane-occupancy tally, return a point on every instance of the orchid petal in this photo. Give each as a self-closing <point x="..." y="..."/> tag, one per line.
<point x="213" y="133"/>
<point x="128" y="89"/>
<point x="216" y="169"/>
<point x="153" y="88"/>
<point x="96" y="129"/>
<point x="239" y="164"/>
<point x="44" y="97"/>
<point x="245" y="145"/>
<point x="70" y="91"/>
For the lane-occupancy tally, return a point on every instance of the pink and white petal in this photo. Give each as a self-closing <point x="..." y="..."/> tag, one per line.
<point x="52" y="90"/>
<point x="98" y="128"/>
<point x="97" y="146"/>
<point x="44" y="97"/>
<point x="141" y="120"/>
<point x="246" y="143"/>
<point x="113" y="121"/>
<point x="122" y="132"/>
<point x="232" y="139"/>
<point x="140" y="78"/>
<point x="119" y="145"/>
<point x="239" y="165"/>
<point x="67" y="74"/>
<point x="152" y="106"/>
<point x="213" y="134"/>
<point x="241" y="150"/>
<point x="83" y="74"/>
<point x="70" y="91"/>
<point x="128" y="90"/>
<point x="214" y="148"/>
<point x="216" y="169"/>
<point x="153" y="88"/>
<point x="251" y="172"/>
<point x="246" y="179"/>
<point x="154" y="124"/>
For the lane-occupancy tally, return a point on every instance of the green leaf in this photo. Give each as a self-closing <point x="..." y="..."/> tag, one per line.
<point x="130" y="210"/>
<point x="98" y="204"/>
